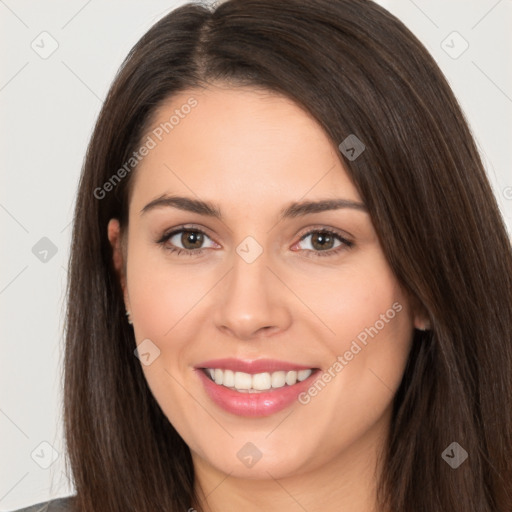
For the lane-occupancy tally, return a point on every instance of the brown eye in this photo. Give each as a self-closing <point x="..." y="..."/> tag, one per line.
<point x="191" y="239"/>
<point x="324" y="242"/>
<point x="186" y="241"/>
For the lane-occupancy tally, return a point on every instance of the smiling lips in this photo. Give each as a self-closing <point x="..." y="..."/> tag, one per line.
<point x="254" y="388"/>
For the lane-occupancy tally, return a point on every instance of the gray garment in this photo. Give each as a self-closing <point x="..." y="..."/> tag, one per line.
<point x="57" y="505"/>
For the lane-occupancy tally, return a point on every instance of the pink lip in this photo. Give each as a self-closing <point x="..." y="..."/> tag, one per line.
<point x="252" y="367"/>
<point x="260" y="404"/>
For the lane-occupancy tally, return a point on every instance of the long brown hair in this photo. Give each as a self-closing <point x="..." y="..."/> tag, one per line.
<point x="358" y="70"/>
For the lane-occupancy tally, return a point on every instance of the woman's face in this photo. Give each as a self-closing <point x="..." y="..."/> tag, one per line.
<point x="254" y="295"/>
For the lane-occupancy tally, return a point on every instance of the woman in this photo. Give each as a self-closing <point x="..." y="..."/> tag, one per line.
<point x="290" y="284"/>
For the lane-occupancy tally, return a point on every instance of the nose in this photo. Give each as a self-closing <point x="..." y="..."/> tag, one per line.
<point x="252" y="302"/>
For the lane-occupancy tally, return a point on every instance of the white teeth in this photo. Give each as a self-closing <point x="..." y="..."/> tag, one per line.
<point x="278" y="379"/>
<point x="291" y="378"/>
<point x="248" y="383"/>
<point x="303" y="375"/>
<point x="228" y="379"/>
<point x="261" y="381"/>
<point x="242" y="380"/>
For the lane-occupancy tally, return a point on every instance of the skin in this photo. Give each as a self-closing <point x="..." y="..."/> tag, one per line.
<point x="252" y="153"/>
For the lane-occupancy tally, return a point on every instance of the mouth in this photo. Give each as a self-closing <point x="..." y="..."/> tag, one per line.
<point x="258" y="382"/>
<point x="254" y="388"/>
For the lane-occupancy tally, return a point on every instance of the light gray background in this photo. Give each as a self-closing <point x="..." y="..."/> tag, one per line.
<point x="48" y="107"/>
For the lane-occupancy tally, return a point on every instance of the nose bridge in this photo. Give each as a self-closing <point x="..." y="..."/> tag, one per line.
<point x="251" y="298"/>
<point x="248" y="283"/>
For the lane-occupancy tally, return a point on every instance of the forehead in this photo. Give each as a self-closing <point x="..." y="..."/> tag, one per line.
<point x="239" y="145"/>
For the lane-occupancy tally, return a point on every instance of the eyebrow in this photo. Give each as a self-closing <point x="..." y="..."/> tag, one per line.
<point x="293" y="210"/>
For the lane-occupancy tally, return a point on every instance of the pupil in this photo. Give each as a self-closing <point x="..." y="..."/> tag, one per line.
<point x="194" y="238"/>
<point x="321" y="239"/>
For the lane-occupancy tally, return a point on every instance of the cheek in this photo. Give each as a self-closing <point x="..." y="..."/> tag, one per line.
<point x="161" y="294"/>
<point x="162" y="298"/>
<point x="357" y="298"/>
<point x="373" y="332"/>
<point x="371" y="328"/>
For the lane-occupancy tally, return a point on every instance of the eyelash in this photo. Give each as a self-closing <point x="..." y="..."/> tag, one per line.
<point x="345" y="244"/>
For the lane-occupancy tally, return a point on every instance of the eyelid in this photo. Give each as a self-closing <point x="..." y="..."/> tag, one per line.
<point x="322" y="227"/>
<point x="168" y="233"/>
<point x="301" y="235"/>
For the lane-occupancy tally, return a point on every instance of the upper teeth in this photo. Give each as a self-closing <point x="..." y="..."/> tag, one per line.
<point x="259" y="381"/>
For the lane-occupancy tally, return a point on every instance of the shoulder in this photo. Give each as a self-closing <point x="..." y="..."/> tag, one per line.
<point x="57" y="505"/>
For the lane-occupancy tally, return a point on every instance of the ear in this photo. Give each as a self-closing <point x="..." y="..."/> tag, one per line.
<point x="118" y="258"/>
<point x="421" y="319"/>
